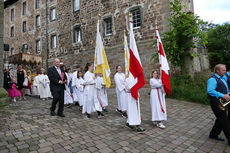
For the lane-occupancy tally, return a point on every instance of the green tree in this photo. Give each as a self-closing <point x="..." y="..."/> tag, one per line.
<point x="185" y="32"/>
<point x="219" y="45"/>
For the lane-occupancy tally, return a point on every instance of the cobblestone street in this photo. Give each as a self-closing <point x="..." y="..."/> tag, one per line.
<point x="26" y="126"/>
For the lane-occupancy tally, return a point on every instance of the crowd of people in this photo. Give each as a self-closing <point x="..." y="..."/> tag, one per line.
<point x="85" y="89"/>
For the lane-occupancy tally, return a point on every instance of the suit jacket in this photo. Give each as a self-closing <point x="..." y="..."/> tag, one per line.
<point x="54" y="78"/>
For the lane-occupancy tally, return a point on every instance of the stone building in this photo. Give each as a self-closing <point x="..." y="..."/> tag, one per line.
<point x="71" y="28"/>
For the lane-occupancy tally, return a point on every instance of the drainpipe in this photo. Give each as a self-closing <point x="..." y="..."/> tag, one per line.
<point x="46" y="36"/>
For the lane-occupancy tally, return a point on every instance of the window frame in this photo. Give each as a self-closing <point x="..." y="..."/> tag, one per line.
<point x="78" y="30"/>
<point x="75" y="10"/>
<point x="24" y="27"/>
<point x="12" y="31"/>
<point x="51" y="14"/>
<point x="38" y="49"/>
<point x="136" y="19"/>
<point x="12" y="15"/>
<point x="105" y="24"/>
<point x="52" y="42"/>
<point x="23" y="48"/>
<point x="36" y="4"/>
<point x="38" y="21"/>
<point x="24" y="10"/>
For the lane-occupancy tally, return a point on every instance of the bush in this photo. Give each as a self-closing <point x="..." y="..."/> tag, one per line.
<point x="4" y="100"/>
<point x="186" y="88"/>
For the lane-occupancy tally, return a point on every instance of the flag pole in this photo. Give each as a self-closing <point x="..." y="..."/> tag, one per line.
<point x="158" y="49"/>
<point x="95" y="55"/>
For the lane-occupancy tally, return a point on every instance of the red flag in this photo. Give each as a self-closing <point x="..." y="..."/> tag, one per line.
<point x="136" y="77"/>
<point x="164" y="67"/>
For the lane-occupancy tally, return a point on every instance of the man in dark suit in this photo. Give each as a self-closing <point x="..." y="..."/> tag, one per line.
<point x="57" y="79"/>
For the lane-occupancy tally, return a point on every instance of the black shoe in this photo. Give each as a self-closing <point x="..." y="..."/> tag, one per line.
<point x="119" y="111"/>
<point x="105" y="110"/>
<point x="88" y="115"/>
<point x="138" y="129"/>
<point x="124" y="114"/>
<point x="129" y="126"/>
<point x="52" y="113"/>
<point x="100" y="115"/>
<point x="77" y="104"/>
<point x="216" y="138"/>
<point x="61" y="115"/>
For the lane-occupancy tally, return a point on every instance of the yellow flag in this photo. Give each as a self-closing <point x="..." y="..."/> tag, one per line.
<point x="127" y="56"/>
<point x="100" y="60"/>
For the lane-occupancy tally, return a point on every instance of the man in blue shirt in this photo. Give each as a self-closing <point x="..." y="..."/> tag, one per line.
<point x="217" y="87"/>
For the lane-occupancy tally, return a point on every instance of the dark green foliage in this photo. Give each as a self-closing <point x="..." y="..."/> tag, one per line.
<point x="185" y="32"/>
<point x="4" y="100"/>
<point x="219" y="45"/>
<point x="186" y="88"/>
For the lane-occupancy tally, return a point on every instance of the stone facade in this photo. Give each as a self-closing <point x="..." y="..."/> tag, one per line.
<point x="80" y="52"/>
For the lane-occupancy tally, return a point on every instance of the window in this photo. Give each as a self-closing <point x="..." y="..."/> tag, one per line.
<point x="77" y="34"/>
<point x="24" y="48"/>
<point x="52" y="14"/>
<point x="24" y="26"/>
<point x="12" y="15"/>
<point x="12" y="51"/>
<point x="53" y="41"/>
<point x="136" y="15"/>
<point x="38" y="47"/>
<point x="12" y="31"/>
<point x="24" y="8"/>
<point x="108" y="26"/>
<point x="38" y="23"/>
<point x="76" y="5"/>
<point x="37" y="4"/>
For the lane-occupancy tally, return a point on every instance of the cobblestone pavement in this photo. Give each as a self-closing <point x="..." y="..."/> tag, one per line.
<point x="28" y="127"/>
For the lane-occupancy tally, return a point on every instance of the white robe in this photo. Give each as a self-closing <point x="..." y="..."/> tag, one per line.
<point x="157" y="92"/>
<point x="44" y="86"/>
<point x="74" y="86"/>
<point x="101" y="93"/>
<point x="67" y="95"/>
<point x="89" y="93"/>
<point x="120" y="91"/>
<point x="35" y="86"/>
<point x="80" y="90"/>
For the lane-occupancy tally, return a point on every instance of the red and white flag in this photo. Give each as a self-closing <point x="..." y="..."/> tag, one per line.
<point x="136" y="77"/>
<point x="164" y="66"/>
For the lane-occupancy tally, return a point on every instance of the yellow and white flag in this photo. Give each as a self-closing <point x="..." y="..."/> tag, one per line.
<point x="100" y="60"/>
<point x="127" y="56"/>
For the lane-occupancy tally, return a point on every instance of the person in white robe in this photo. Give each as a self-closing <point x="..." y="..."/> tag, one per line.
<point x="157" y="101"/>
<point x="101" y="92"/>
<point x="80" y="88"/>
<point x="68" y="97"/>
<point x="90" y="105"/>
<point x="133" y="111"/>
<point x="44" y="85"/>
<point x="74" y="87"/>
<point x="120" y="82"/>
<point x="35" y="85"/>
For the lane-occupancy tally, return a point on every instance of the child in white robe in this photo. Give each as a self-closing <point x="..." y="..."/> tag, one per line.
<point x="35" y="91"/>
<point x="157" y="101"/>
<point x="120" y="82"/>
<point x="68" y="97"/>
<point x="90" y="105"/>
<point x="80" y="88"/>
<point x="101" y="92"/>
<point x="74" y="87"/>
<point x="133" y="111"/>
<point x="44" y="85"/>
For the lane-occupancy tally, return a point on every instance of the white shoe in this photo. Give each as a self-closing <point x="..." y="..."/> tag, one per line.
<point x="160" y="125"/>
